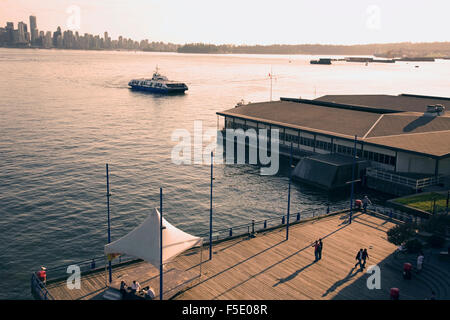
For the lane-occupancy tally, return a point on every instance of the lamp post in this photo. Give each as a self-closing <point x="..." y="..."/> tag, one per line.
<point x="353" y="181"/>
<point x="210" y="208"/>
<point x="289" y="194"/>
<point x="108" y="195"/>
<point x="161" y="273"/>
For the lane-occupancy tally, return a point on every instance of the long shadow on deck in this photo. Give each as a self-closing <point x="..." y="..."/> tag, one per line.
<point x="434" y="277"/>
<point x="273" y="265"/>
<point x="339" y="283"/>
<point x="293" y="275"/>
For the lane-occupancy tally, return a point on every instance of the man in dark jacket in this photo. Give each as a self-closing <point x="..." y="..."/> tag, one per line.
<point x="365" y="255"/>
<point x="359" y="257"/>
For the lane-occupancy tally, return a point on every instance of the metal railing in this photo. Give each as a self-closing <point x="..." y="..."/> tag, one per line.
<point x="254" y="226"/>
<point x="98" y="263"/>
<point x="415" y="184"/>
<point x="395" y="214"/>
<point x="38" y="289"/>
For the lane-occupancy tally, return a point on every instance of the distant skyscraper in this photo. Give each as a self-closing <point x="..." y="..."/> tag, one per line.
<point x="56" y="34"/>
<point x="33" y="29"/>
<point x="10" y="32"/>
<point x="22" y="29"/>
<point x="33" y="24"/>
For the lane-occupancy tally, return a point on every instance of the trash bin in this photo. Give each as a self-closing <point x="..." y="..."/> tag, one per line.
<point x="407" y="270"/>
<point x="395" y="294"/>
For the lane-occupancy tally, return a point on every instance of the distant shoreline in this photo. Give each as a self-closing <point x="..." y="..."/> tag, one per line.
<point x="437" y="50"/>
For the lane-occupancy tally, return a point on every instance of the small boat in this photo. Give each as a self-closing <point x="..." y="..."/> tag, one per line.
<point x="158" y="84"/>
<point x="321" y="61"/>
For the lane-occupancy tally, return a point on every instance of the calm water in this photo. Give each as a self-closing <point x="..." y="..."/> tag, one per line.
<point x="64" y="114"/>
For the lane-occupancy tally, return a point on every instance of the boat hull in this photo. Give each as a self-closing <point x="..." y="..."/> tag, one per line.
<point x="158" y="90"/>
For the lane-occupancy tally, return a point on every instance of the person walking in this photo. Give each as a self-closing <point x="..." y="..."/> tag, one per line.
<point x="316" y="250"/>
<point x="366" y="202"/>
<point x="365" y="255"/>
<point x="359" y="258"/>
<point x="420" y="258"/>
<point x="320" y="249"/>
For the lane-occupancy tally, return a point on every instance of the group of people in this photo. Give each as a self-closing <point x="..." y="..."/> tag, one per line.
<point x="135" y="288"/>
<point x="364" y="203"/>
<point x="361" y="258"/>
<point x="318" y="246"/>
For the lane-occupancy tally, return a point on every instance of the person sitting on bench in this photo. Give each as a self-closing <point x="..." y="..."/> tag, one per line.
<point x="135" y="287"/>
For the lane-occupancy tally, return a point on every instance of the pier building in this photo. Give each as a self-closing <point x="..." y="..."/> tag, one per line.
<point x="403" y="139"/>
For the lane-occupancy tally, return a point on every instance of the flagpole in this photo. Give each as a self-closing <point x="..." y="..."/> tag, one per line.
<point x="160" y="245"/>
<point x="109" y="223"/>
<point x="210" y="210"/>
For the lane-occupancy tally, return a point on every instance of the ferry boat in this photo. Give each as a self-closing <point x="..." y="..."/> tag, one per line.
<point x="158" y="84"/>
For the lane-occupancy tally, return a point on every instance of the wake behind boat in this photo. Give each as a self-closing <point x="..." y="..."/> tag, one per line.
<point x="158" y="84"/>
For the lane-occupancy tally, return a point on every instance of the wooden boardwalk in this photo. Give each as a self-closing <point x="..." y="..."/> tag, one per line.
<point x="268" y="267"/>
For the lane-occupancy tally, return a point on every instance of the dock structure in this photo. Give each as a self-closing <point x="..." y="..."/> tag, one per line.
<point x="266" y="266"/>
<point x="404" y="139"/>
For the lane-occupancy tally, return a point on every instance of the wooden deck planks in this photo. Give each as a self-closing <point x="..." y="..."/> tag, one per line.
<point x="267" y="266"/>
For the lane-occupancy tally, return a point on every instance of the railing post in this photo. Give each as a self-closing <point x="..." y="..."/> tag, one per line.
<point x="282" y="220"/>
<point x="265" y="224"/>
<point x="328" y="209"/>
<point x="298" y="216"/>
<point x="231" y="232"/>
<point x="253" y="226"/>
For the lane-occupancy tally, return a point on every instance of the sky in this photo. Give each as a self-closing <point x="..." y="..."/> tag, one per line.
<point x="242" y="21"/>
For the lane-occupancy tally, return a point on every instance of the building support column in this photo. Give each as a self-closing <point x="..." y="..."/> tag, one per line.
<point x="436" y="168"/>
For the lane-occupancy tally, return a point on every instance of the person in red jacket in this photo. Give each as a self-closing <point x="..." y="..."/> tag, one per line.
<point x="42" y="274"/>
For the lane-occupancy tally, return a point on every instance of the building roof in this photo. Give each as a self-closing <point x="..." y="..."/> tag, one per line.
<point x="400" y="103"/>
<point x="431" y="143"/>
<point x="307" y="117"/>
<point x="409" y="131"/>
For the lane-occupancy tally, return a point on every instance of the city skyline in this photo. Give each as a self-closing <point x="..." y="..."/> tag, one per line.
<point x="248" y="22"/>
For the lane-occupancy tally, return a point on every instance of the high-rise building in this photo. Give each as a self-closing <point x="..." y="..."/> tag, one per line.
<point x="33" y="29"/>
<point x="10" y="32"/>
<point x="56" y="34"/>
<point x="22" y="29"/>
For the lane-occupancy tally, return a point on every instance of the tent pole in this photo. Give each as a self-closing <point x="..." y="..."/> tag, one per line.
<point x="160" y="245"/>
<point x="106" y="275"/>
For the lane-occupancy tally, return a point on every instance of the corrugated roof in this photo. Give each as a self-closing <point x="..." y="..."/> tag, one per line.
<point x="309" y="117"/>
<point x="404" y="123"/>
<point x="400" y="103"/>
<point x="432" y="143"/>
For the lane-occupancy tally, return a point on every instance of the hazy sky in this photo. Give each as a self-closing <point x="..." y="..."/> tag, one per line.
<point x="242" y="21"/>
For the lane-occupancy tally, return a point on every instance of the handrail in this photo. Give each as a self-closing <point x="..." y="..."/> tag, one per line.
<point x="396" y="178"/>
<point x="98" y="262"/>
<point x="37" y="286"/>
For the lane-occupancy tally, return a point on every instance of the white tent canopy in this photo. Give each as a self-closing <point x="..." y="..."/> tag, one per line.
<point x="144" y="241"/>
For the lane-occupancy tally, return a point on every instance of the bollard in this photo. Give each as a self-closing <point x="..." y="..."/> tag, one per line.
<point x="282" y="220"/>
<point x="265" y="224"/>
<point x="253" y="226"/>
<point x="231" y="232"/>
<point x="298" y="216"/>
<point x="328" y="209"/>
<point x="93" y="264"/>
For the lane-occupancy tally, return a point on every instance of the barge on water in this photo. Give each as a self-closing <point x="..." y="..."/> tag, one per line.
<point x="158" y="84"/>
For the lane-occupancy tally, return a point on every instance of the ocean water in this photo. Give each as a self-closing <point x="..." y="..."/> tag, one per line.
<point x="65" y="114"/>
